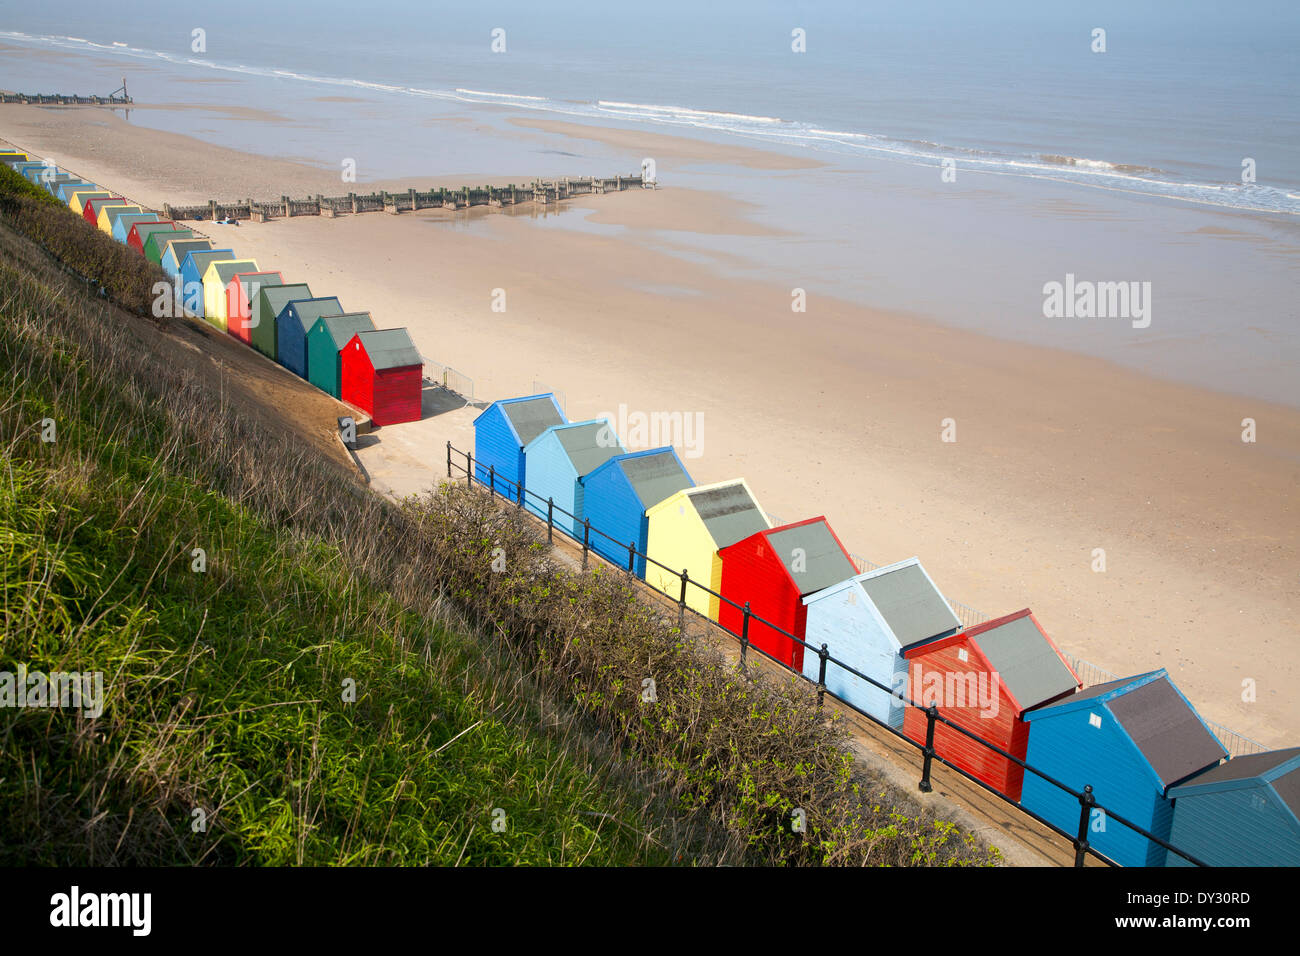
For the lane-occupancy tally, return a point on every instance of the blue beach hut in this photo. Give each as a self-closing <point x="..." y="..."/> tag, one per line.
<point x="617" y="494"/>
<point x="122" y="225"/>
<point x="1245" y="812"/>
<point x="192" y="270"/>
<point x="65" y="189"/>
<point x="1132" y="740"/>
<point x="292" y="325"/>
<point x="503" y="429"/>
<point x="557" y="460"/>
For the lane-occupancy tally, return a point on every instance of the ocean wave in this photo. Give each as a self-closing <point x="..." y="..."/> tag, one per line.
<point x="774" y="131"/>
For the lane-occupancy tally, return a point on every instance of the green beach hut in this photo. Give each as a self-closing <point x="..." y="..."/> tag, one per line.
<point x="325" y="340"/>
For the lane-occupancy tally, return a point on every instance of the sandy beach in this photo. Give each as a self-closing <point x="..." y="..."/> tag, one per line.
<point x="836" y="411"/>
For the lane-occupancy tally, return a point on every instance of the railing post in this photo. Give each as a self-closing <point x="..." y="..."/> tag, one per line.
<point x="1086" y="802"/>
<point x="492" y="481"/>
<point x="631" y="558"/>
<point x="681" y="602"/>
<point x="469" y="469"/>
<point x="448" y="459"/>
<point x="931" y="713"/>
<point x="744" y="635"/>
<point x="824" y="653"/>
<point x="519" y="499"/>
<point x="586" y="540"/>
<point x="550" y="520"/>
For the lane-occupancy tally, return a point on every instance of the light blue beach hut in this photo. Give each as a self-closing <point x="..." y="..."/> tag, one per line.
<point x="867" y="622"/>
<point x="122" y="225"/>
<point x="558" y="459"/>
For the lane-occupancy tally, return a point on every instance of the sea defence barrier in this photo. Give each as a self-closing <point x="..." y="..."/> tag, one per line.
<point x="62" y="99"/>
<point x="539" y="191"/>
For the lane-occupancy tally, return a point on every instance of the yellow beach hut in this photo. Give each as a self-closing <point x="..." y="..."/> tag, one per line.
<point x="82" y="196"/>
<point x="686" y="531"/>
<point x="108" y="213"/>
<point x="216" y="278"/>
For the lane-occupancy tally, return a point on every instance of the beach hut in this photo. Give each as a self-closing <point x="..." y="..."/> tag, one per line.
<point x="617" y="494"/>
<point x="156" y="244"/>
<point x="292" y="325"/>
<point x="1131" y="740"/>
<point x="325" y="340"/>
<point x="503" y="429"/>
<point x="555" y="463"/>
<point x="123" y="224"/>
<point x="216" y="281"/>
<point x="266" y="306"/>
<point x="382" y="374"/>
<point x="82" y="196"/>
<point x="1244" y="812"/>
<point x="90" y="209"/>
<point x="109" y="212"/>
<point x="687" y="530"/>
<point x="772" y="570"/>
<point x="12" y="156"/>
<point x="867" y="621"/>
<point x="141" y="231"/>
<point x="240" y="295"/>
<point x="984" y="679"/>
<point x="193" y="269"/>
<point x="175" y="251"/>
<point x="65" y="190"/>
<point x="52" y="183"/>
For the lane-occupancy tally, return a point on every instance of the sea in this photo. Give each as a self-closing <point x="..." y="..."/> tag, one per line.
<point x="973" y="156"/>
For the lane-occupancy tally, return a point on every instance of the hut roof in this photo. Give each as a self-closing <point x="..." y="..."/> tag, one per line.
<point x="654" y="476"/>
<point x="729" y="512"/>
<point x="531" y="416"/>
<point x="909" y="603"/>
<point x="824" y="562"/>
<point x="1026" y="662"/>
<point x="390" y="348"/>
<point x="341" y="328"/>
<point x="588" y="445"/>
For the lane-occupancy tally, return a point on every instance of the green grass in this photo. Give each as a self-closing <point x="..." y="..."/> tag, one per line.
<point x="225" y="687"/>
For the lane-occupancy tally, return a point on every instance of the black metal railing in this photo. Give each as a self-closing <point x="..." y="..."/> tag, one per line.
<point x="516" y="494"/>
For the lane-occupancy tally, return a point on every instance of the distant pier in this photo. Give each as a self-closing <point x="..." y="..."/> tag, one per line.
<point x="539" y="191"/>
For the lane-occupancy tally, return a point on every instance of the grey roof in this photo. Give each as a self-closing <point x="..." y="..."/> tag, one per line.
<point x="1025" y="662"/>
<point x="582" y="443"/>
<point x="181" y="246"/>
<point x="309" y="310"/>
<point x="1288" y="788"/>
<point x="278" y="296"/>
<point x="205" y="257"/>
<point x="1243" y="768"/>
<point x="1167" y="731"/>
<point x="824" y="561"/>
<point x="390" y="348"/>
<point x="532" y="417"/>
<point x="656" y="476"/>
<point x="912" y="607"/>
<point x="729" y="513"/>
<point x="226" y="270"/>
<point x="341" y="328"/>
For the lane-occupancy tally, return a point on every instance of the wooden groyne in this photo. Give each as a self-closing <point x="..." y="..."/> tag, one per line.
<point x="539" y="191"/>
<point x="62" y="99"/>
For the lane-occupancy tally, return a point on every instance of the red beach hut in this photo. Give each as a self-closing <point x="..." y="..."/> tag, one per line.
<point x="772" y="570"/>
<point x="140" y="231"/>
<point x="90" y="212"/>
<point x="984" y="679"/>
<point x="382" y="374"/>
